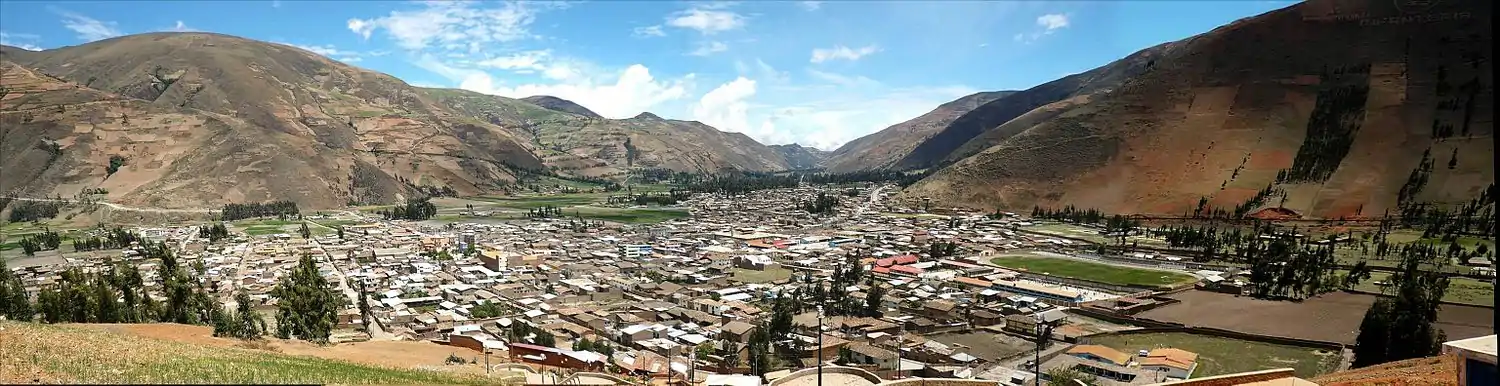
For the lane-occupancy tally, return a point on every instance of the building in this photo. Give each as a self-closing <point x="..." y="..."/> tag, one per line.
<point x="635" y="250"/>
<point x="1170" y="362"/>
<point x="554" y="357"/>
<point x="755" y="262"/>
<point x="1060" y="295"/>
<point x="1476" y="360"/>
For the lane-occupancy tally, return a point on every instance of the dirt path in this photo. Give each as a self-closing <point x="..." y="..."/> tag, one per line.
<point x="115" y="206"/>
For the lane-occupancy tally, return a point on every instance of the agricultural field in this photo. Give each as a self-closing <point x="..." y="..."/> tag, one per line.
<point x="52" y="356"/>
<point x="1090" y="234"/>
<point x="1096" y="272"/>
<point x="1337" y="315"/>
<point x="538" y="201"/>
<point x="1461" y="290"/>
<point x="1218" y="355"/>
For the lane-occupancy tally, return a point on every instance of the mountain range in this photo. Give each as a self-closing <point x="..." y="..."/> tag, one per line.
<point x="1327" y="108"/>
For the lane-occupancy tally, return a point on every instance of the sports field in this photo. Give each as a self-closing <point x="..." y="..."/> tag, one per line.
<point x="1096" y="272"/>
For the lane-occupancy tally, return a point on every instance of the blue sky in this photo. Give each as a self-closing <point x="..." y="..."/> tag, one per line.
<point x="816" y="73"/>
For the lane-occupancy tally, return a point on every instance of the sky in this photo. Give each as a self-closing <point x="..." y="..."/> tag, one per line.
<point x="817" y="73"/>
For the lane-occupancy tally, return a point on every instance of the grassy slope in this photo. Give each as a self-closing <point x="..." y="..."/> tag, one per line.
<point x="1102" y="273"/>
<point x="51" y="353"/>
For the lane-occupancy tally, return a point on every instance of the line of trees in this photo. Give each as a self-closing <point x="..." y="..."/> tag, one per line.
<point x="824" y="203"/>
<point x="415" y="209"/>
<point x="279" y="209"/>
<point x="1068" y="214"/>
<point x="35" y="242"/>
<point x="26" y="210"/>
<point x="214" y="232"/>
<point x="112" y="238"/>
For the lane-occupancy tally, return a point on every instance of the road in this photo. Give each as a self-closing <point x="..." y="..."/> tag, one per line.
<point x="376" y="332"/>
<point x="115" y="206"/>
<point x="874" y="199"/>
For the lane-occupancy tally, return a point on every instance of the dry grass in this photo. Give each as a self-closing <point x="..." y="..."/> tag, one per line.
<point x="77" y="354"/>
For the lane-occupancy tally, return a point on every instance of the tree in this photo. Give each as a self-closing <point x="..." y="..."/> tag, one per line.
<point x="14" y="303"/>
<point x="1068" y="376"/>
<point x="760" y="351"/>
<point x="583" y="344"/>
<point x="1401" y="327"/>
<point x="306" y="233"/>
<point x="731" y="354"/>
<point x="704" y="350"/>
<point x="364" y="304"/>
<point x="308" y="305"/>
<point x="486" y="309"/>
<point x="873" y="301"/>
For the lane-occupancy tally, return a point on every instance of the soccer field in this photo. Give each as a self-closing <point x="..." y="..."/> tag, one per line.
<point x="1096" y="272"/>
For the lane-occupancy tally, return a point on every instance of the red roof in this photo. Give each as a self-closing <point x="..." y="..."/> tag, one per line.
<point x="881" y="270"/>
<point x="886" y="262"/>
<point x="905" y="259"/>
<point x="907" y="269"/>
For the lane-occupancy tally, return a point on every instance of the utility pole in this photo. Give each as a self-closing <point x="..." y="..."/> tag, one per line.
<point x="820" y="344"/>
<point x="900" y="340"/>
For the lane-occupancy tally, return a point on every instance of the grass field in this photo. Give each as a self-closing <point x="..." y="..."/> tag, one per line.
<point x="1217" y="356"/>
<point x="51" y="354"/>
<point x="766" y="276"/>
<point x="1102" y="273"/>
<point x="1461" y="290"/>
<point x="538" y="201"/>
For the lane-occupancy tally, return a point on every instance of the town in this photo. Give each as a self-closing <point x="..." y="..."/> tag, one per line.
<point x="751" y="289"/>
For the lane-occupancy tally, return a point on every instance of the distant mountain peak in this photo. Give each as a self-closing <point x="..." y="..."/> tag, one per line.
<point x="558" y="104"/>
<point x="647" y="115"/>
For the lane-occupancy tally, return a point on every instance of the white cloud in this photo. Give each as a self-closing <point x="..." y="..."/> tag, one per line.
<point x="1052" y="21"/>
<point x="21" y="41"/>
<point x="530" y="60"/>
<point x="181" y="27"/>
<point x="645" y="32"/>
<point x="706" y="21"/>
<point x="727" y="108"/>
<point x="811" y="5"/>
<point x="820" y="55"/>
<point x="453" y="25"/>
<point x="842" y="80"/>
<point x="89" y="29"/>
<point x="1048" y="24"/>
<point x="326" y="50"/>
<point x="709" y="48"/>
<point x="617" y="95"/>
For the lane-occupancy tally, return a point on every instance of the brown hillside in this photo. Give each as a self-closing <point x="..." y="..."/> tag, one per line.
<point x="1220" y="114"/>
<point x="563" y="105"/>
<point x="882" y="149"/>
<point x="949" y="144"/>
<point x="801" y="158"/>
<point x="296" y="125"/>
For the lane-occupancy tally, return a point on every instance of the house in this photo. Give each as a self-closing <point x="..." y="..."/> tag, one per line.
<point x="738" y="331"/>
<point x="554" y="357"/>
<point x="1171" y="362"/>
<point x="937" y="309"/>
<point x="866" y="354"/>
<point x="755" y="262"/>
<point x="1099" y="353"/>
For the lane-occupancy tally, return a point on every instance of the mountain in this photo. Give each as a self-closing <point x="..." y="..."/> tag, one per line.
<point x="559" y="104"/>
<point x="203" y="119"/>
<point x="579" y="145"/>
<point x="801" y="158"/>
<point x="882" y="149"/>
<point x="948" y="144"/>
<point x="1332" y="102"/>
